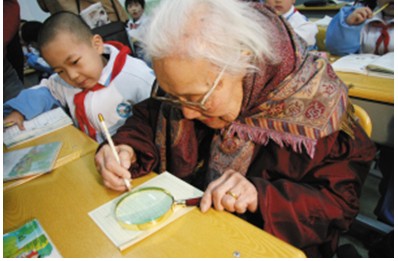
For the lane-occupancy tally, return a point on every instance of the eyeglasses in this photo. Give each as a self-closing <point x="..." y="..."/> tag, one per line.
<point x="195" y="105"/>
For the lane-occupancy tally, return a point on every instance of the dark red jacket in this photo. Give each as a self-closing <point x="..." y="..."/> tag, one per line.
<point x="306" y="202"/>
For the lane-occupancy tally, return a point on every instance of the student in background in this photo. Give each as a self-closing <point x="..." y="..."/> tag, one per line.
<point x="136" y="25"/>
<point x="29" y="31"/>
<point x="243" y="111"/>
<point x="136" y="9"/>
<point x="13" y="60"/>
<point x="301" y="25"/>
<point x="91" y="78"/>
<point x="355" y="30"/>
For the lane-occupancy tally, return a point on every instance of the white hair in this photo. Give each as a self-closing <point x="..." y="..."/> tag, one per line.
<point x="219" y="31"/>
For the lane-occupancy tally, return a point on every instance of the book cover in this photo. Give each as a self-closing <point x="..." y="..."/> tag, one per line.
<point x="30" y="240"/>
<point x="121" y="237"/>
<point x="42" y="124"/>
<point x="30" y="161"/>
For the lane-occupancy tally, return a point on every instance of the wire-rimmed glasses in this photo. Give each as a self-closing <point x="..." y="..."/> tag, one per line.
<point x="200" y="105"/>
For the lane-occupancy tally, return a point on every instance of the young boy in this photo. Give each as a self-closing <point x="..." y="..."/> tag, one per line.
<point x="136" y="25"/>
<point x="356" y="30"/>
<point x="91" y="78"/>
<point x="300" y="24"/>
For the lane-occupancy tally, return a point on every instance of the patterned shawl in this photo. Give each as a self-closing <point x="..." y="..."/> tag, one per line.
<point x="294" y="103"/>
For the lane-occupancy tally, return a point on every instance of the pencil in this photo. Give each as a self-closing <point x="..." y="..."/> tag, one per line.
<point x="381" y="9"/>
<point x="113" y="148"/>
<point x="8" y="124"/>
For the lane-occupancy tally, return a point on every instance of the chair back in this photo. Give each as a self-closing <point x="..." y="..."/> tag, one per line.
<point x="363" y="119"/>
<point x="320" y="38"/>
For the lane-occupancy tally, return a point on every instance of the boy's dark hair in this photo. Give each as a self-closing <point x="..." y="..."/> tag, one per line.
<point x="129" y="2"/>
<point x="63" y="22"/>
<point x="30" y="31"/>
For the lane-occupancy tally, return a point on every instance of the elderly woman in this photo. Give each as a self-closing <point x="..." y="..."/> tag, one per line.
<point x="242" y="111"/>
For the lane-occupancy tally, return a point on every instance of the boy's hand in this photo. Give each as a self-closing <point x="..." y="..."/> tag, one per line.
<point x="359" y="16"/>
<point x="13" y="118"/>
<point x="111" y="171"/>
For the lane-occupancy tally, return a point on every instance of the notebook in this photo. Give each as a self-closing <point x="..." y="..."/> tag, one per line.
<point x="367" y="64"/>
<point x="122" y="238"/>
<point x="43" y="124"/>
<point x="28" y="241"/>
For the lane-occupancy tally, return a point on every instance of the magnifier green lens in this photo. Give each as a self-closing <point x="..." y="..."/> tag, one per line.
<point x="144" y="208"/>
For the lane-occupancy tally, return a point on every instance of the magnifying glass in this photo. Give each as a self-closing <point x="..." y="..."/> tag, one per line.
<point x="146" y="207"/>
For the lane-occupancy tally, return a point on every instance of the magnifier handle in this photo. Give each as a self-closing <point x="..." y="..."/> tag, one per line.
<point x="193" y="201"/>
<point x="189" y="202"/>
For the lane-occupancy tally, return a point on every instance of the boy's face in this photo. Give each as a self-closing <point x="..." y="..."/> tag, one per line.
<point x="135" y="10"/>
<point x="281" y="6"/>
<point x="76" y="62"/>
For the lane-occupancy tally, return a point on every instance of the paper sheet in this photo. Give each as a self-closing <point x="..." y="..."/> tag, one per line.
<point x="123" y="238"/>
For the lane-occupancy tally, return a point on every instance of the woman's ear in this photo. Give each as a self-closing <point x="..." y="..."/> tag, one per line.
<point x="98" y="43"/>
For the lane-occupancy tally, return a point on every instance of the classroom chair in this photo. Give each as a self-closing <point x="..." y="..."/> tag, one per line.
<point x="320" y="38"/>
<point x="363" y="119"/>
<point x="380" y="231"/>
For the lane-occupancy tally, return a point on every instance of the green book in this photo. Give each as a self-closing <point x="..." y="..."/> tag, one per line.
<point x="30" y="161"/>
<point x="30" y="240"/>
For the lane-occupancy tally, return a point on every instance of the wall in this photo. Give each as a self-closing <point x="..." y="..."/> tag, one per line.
<point x="30" y="10"/>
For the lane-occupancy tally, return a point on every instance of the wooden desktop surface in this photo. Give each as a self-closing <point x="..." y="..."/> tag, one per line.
<point x="62" y="200"/>
<point x="376" y="96"/>
<point x="319" y="11"/>
<point x="75" y="144"/>
<point x="333" y="7"/>
<point x="73" y="140"/>
<point x="370" y="88"/>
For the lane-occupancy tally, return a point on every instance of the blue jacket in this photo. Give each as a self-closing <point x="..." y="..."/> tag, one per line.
<point x="341" y="38"/>
<point x="31" y="102"/>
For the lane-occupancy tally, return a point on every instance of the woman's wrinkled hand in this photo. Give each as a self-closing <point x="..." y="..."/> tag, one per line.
<point x="359" y="16"/>
<point x="232" y="191"/>
<point x="111" y="171"/>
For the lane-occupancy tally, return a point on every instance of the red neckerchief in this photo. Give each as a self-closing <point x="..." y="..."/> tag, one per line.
<point x="384" y="37"/>
<point x="80" y="111"/>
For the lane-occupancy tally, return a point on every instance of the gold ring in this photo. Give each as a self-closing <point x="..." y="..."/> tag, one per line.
<point x="232" y="194"/>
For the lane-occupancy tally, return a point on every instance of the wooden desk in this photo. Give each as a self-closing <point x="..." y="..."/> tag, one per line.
<point x="73" y="141"/>
<point x="320" y="38"/>
<point x="369" y="88"/>
<point x="31" y="77"/>
<point x="319" y="11"/>
<point x="61" y="202"/>
<point x="376" y="96"/>
<point x="75" y="144"/>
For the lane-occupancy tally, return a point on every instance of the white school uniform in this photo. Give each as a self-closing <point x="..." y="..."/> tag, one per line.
<point x="132" y="85"/>
<point x="370" y="34"/>
<point x="136" y="29"/>
<point x="301" y="25"/>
